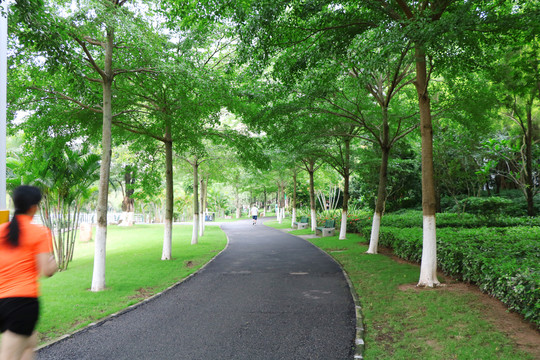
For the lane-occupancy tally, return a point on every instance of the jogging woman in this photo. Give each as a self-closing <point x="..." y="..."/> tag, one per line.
<point x="25" y="254"/>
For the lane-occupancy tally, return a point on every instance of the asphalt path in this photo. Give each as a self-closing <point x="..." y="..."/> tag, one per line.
<point x="269" y="295"/>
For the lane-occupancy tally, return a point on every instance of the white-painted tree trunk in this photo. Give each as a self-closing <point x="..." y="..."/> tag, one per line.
<point x="98" y="275"/>
<point x="313" y="220"/>
<point x="293" y="217"/>
<point x="166" y="253"/>
<point x="428" y="268"/>
<point x="279" y="217"/>
<point x="238" y="212"/>
<point x="343" y="228"/>
<point x="375" y="228"/>
<point x="195" y="234"/>
<point x="202" y="208"/>
<point x="202" y="220"/>
<point x="282" y="213"/>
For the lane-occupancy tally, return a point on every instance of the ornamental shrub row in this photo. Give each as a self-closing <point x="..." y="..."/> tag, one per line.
<point x="358" y="221"/>
<point x="504" y="262"/>
<point x="413" y="218"/>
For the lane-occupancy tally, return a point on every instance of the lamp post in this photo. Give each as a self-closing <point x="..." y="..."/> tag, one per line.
<point x="4" y="213"/>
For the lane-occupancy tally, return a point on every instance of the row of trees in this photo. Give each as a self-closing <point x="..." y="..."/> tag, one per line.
<point x="348" y="85"/>
<point x="365" y="72"/>
<point x="111" y="71"/>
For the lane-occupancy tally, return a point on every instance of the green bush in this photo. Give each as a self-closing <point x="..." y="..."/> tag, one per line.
<point x="413" y="218"/>
<point x="487" y="206"/>
<point x="356" y="219"/>
<point x="504" y="262"/>
<point x="506" y="204"/>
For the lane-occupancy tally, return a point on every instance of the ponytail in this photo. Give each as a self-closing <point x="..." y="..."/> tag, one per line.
<point x="24" y="197"/>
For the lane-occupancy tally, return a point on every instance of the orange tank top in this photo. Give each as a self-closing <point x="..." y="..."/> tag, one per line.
<point x="19" y="271"/>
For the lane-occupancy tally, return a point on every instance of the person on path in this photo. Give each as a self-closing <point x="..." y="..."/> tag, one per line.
<point x="254" y="213"/>
<point x="25" y="253"/>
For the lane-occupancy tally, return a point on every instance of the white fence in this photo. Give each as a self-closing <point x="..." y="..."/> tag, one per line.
<point x="91" y="218"/>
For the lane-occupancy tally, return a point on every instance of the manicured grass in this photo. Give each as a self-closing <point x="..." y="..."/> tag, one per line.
<point x="285" y="224"/>
<point x="302" y="232"/>
<point x="134" y="271"/>
<point x="231" y="219"/>
<point x="414" y="323"/>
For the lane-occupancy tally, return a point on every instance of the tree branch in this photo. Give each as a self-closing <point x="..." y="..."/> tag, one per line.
<point x="405" y="8"/>
<point x="136" y="130"/>
<point x="65" y="97"/>
<point x="90" y="58"/>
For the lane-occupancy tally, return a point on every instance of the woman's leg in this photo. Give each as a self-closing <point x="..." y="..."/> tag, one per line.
<point x="28" y="353"/>
<point x="15" y="346"/>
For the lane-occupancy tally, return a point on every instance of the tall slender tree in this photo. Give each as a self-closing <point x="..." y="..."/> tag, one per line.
<point x="85" y="40"/>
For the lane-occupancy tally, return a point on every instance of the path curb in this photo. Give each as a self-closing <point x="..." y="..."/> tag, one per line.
<point x="134" y="306"/>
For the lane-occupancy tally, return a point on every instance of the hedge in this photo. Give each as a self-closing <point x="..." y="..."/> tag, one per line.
<point x="412" y="219"/>
<point x="504" y="262"/>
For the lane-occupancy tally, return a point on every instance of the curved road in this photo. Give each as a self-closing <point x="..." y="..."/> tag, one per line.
<point x="269" y="295"/>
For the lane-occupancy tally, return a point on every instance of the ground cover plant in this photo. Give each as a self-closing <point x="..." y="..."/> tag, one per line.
<point x="134" y="272"/>
<point x="403" y="322"/>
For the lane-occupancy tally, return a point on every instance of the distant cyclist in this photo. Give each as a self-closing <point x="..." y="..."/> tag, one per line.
<point x="25" y="253"/>
<point x="254" y="213"/>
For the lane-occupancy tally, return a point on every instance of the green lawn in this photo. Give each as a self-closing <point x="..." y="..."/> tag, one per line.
<point x="414" y="324"/>
<point x="134" y="271"/>
<point x="285" y="224"/>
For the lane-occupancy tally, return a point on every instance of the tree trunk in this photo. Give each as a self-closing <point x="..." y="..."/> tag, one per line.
<point x="312" y="203"/>
<point x="379" y="206"/>
<point x="202" y="211"/>
<point x="346" y="177"/>
<point x="194" y="237"/>
<point x="293" y="215"/>
<point x="264" y="203"/>
<point x="237" y="200"/>
<point x="128" y="204"/>
<point x="278" y="203"/>
<point x="98" y="276"/>
<point x="428" y="267"/>
<point x="529" y="193"/>
<point x="166" y="253"/>
<point x="282" y="202"/>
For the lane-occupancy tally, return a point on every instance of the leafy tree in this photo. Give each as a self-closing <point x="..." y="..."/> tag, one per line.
<point x="517" y="74"/>
<point x="84" y="40"/>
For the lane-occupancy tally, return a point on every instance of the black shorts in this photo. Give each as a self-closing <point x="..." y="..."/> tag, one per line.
<point x="254" y="217"/>
<point x="19" y="315"/>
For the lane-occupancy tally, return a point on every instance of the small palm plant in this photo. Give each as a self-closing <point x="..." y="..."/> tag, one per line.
<point x="65" y="177"/>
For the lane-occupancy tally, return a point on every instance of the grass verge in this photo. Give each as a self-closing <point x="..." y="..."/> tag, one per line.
<point x="403" y="322"/>
<point x="285" y="224"/>
<point x="134" y="272"/>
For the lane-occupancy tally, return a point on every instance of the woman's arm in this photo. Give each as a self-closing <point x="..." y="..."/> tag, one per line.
<point x="46" y="264"/>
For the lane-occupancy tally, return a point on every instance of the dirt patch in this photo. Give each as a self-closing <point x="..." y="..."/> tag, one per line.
<point x="523" y="333"/>
<point x="189" y="264"/>
<point x="142" y="293"/>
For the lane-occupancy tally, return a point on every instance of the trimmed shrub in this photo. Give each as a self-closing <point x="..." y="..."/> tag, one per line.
<point x="413" y="218"/>
<point x="355" y="220"/>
